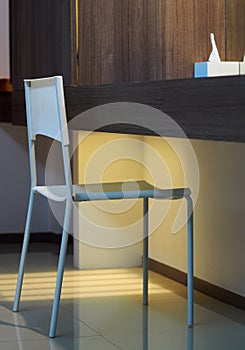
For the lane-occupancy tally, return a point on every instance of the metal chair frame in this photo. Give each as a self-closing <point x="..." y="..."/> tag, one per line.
<point x="46" y="115"/>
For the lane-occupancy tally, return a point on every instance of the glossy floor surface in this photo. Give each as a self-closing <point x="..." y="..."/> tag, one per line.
<point x="102" y="310"/>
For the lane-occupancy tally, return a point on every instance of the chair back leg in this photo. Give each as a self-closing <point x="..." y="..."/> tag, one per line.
<point x="145" y="252"/>
<point x="190" y="286"/>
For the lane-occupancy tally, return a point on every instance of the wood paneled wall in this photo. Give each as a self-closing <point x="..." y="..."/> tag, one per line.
<point x="121" y="40"/>
<point x="235" y="30"/>
<point x="42" y="40"/>
<point x="135" y="40"/>
<point x="187" y="28"/>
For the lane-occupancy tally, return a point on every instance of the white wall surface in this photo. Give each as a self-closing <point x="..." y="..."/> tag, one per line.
<point x="4" y="40"/>
<point x="15" y="182"/>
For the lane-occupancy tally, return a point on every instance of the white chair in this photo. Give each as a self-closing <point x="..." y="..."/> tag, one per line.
<point x="46" y="115"/>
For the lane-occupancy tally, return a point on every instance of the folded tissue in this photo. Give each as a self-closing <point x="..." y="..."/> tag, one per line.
<point x="214" y="67"/>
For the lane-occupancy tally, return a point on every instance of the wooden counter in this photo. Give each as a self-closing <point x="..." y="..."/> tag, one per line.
<point x="210" y="109"/>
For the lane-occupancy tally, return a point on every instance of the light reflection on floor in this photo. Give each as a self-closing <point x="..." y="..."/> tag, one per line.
<point x="102" y="309"/>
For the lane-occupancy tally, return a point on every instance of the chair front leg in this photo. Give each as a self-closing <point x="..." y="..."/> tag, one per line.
<point x="24" y="253"/>
<point x="145" y="253"/>
<point x="60" y="271"/>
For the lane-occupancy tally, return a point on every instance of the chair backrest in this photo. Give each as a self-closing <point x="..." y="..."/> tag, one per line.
<point x="45" y="108"/>
<point x="46" y="115"/>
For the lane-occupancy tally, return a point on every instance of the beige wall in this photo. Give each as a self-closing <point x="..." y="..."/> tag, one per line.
<point x="220" y="215"/>
<point x="219" y="211"/>
<point x="101" y="226"/>
<point x="219" y="218"/>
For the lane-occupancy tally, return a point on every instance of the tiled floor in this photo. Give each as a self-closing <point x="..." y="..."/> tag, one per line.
<point x="102" y="310"/>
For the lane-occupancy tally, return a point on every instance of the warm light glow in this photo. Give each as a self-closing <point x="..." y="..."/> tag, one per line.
<point x="79" y="284"/>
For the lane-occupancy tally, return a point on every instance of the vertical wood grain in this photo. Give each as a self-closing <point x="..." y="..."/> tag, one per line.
<point x="178" y="33"/>
<point x="155" y="39"/>
<point x="121" y="40"/>
<point x="188" y="24"/>
<point x="107" y="32"/>
<point x="73" y="43"/>
<point x="41" y="40"/>
<point x="138" y="40"/>
<point x="84" y="43"/>
<point x="235" y="30"/>
<point x="96" y="42"/>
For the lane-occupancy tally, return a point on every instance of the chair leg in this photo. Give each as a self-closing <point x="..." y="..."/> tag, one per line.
<point x="23" y="253"/>
<point x="60" y="272"/>
<point x="145" y="253"/>
<point x="190" y="263"/>
<point x="145" y="328"/>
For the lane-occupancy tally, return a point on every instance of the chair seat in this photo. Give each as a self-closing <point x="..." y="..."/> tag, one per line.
<point x="56" y="193"/>
<point x="112" y="190"/>
<point x="124" y="190"/>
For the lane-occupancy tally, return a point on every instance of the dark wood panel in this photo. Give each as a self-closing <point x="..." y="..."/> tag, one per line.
<point x="41" y="39"/>
<point x="212" y="108"/>
<point x="138" y="40"/>
<point x="156" y="40"/>
<point x="188" y="24"/>
<point x="5" y="85"/>
<point x="235" y="29"/>
<point x="96" y="42"/>
<point x="137" y="31"/>
<point x="121" y="40"/>
<point x="112" y="41"/>
<point x="6" y="104"/>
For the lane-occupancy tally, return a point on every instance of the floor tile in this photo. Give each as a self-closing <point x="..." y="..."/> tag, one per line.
<point x="69" y="343"/>
<point x="32" y="322"/>
<point x="102" y="309"/>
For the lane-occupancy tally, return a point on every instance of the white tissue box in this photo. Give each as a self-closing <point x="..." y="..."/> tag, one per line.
<point x="215" y="69"/>
<point x="242" y="68"/>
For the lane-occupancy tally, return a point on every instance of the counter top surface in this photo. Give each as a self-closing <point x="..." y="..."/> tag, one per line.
<point x="209" y="108"/>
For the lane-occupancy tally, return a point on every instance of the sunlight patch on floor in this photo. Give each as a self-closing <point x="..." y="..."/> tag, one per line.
<point x="79" y="284"/>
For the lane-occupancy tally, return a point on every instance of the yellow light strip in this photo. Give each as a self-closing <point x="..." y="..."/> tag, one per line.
<point x="79" y="284"/>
